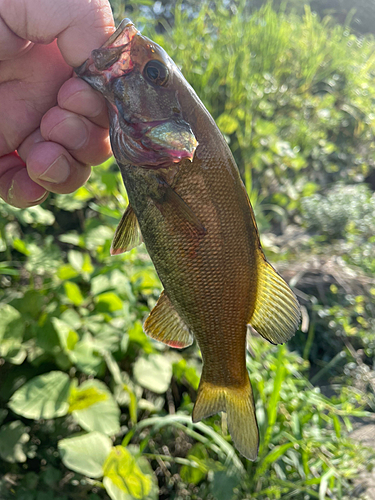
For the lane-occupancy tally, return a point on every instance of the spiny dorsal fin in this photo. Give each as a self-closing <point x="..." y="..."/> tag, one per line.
<point x="128" y="234"/>
<point x="277" y="313"/>
<point x="238" y="402"/>
<point x="165" y="325"/>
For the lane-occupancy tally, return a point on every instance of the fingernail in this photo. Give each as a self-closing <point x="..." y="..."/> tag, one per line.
<point x="57" y="172"/>
<point x="71" y="133"/>
<point x="44" y="195"/>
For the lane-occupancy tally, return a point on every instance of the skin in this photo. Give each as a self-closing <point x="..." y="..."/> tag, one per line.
<point x="53" y="126"/>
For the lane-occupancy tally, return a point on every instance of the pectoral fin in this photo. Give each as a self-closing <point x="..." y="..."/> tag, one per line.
<point x="277" y="313"/>
<point x="128" y="234"/>
<point x="165" y="325"/>
<point x="174" y="201"/>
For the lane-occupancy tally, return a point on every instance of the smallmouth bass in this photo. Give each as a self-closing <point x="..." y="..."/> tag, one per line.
<point x="188" y="204"/>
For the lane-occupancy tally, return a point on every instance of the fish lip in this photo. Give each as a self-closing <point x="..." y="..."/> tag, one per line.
<point x="104" y="64"/>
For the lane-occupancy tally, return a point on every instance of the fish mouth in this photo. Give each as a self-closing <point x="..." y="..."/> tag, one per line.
<point x="111" y="60"/>
<point x="147" y="143"/>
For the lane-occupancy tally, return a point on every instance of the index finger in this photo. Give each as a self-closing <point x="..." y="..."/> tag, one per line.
<point x="79" y="25"/>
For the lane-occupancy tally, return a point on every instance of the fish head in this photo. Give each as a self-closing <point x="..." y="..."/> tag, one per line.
<point x="141" y="85"/>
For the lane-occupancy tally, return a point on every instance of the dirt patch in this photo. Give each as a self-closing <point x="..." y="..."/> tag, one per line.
<point x="365" y="483"/>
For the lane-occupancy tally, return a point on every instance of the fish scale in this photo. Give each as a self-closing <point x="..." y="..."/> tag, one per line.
<point x="189" y="205"/>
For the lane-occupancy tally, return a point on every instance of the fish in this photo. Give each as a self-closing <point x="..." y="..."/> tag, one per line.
<point x="189" y="206"/>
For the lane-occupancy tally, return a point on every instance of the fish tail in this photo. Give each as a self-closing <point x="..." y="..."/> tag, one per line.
<point x="238" y="403"/>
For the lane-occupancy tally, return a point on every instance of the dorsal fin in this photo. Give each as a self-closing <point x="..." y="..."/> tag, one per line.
<point x="165" y="325"/>
<point x="277" y="313"/>
<point x="128" y="234"/>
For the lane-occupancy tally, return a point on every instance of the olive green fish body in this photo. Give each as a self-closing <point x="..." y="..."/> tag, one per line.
<point x="189" y="205"/>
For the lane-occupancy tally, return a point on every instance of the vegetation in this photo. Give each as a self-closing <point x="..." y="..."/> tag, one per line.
<point x="92" y="408"/>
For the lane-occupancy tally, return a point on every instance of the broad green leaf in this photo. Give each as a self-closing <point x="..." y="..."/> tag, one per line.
<point x="45" y="396"/>
<point x="71" y="238"/>
<point x="154" y="372"/>
<point x="75" y="259"/>
<point x="13" y="437"/>
<point x="86" y="357"/>
<point x="94" y="408"/>
<point x="110" y="301"/>
<point x="11" y="324"/>
<point x="123" y="478"/>
<point x="87" y="266"/>
<point x="67" y="272"/>
<point x="73" y="293"/>
<point x="68" y="337"/>
<point x="99" y="284"/>
<point x="85" y="453"/>
<point x="84" y="397"/>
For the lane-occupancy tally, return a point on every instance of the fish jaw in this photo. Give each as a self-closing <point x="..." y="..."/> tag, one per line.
<point x="111" y="60"/>
<point x="115" y="70"/>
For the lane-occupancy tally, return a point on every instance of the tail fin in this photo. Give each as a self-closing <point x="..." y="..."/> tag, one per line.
<point x="238" y="402"/>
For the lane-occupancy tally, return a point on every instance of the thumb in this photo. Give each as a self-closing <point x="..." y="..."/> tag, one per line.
<point x="79" y="25"/>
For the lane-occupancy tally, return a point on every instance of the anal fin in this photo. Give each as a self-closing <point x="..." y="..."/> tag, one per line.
<point x="128" y="234"/>
<point x="277" y="312"/>
<point x="165" y="325"/>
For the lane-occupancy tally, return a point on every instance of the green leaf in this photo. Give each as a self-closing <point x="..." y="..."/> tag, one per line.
<point x="75" y="259"/>
<point x="12" y="327"/>
<point x="109" y="301"/>
<point x="20" y="246"/>
<point x="154" y="373"/>
<point x="45" y="396"/>
<point x="227" y="124"/>
<point x="11" y="323"/>
<point x="86" y="357"/>
<point x="13" y="437"/>
<point x="67" y="272"/>
<point x="67" y="336"/>
<point x="94" y="408"/>
<point x="123" y="477"/>
<point x="194" y="475"/>
<point x="73" y="293"/>
<point x="99" y="284"/>
<point x="85" y="453"/>
<point x="324" y="483"/>
<point x="87" y="266"/>
<point x="36" y="215"/>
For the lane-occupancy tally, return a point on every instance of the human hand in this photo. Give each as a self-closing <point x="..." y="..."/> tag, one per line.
<point x="52" y="126"/>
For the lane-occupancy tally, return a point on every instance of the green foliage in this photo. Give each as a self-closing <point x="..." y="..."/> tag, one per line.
<point x="92" y="408"/>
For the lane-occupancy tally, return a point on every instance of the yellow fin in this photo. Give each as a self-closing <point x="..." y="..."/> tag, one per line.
<point x="165" y="325"/>
<point x="238" y="402"/>
<point x="277" y="313"/>
<point x="128" y="234"/>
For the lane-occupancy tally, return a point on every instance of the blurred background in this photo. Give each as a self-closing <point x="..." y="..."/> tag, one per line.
<point x="92" y="408"/>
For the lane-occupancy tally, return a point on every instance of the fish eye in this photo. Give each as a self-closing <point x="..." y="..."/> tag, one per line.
<point x="156" y="72"/>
